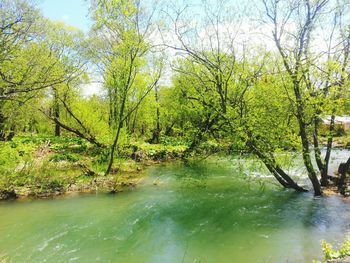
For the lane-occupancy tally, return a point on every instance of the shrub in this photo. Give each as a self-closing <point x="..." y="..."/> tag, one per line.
<point x="330" y="253"/>
<point x="58" y="157"/>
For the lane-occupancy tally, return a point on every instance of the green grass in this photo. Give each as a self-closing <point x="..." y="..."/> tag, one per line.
<point x="44" y="165"/>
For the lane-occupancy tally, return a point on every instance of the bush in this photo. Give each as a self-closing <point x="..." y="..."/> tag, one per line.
<point x="330" y="253"/>
<point x="12" y="153"/>
<point x="53" y="185"/>
<point x="58" y="157"/>
<point x="175" y="141"/>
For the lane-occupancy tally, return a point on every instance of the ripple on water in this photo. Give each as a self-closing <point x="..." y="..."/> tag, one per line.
<point x="46" y="242"/>
<point x="225" y="221"/>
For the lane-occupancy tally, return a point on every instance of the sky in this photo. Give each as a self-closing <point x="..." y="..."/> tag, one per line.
<point x="72" y="12"/>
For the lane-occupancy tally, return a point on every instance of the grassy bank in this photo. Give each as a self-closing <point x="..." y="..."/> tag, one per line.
<point x="45" y="166"/>
<point x="42" y="166"/>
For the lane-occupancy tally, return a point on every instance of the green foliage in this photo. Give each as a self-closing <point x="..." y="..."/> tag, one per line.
<point x="330" y="253"/>
<point x="45" y="165"/>
<point x="12" y="153"/>
<point x="144" y="151"/>
<point x="174" y="141"/>
<point x="58" y="157"/>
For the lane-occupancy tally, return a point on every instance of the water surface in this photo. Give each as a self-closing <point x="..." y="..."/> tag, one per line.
<point x="196" y="213"/>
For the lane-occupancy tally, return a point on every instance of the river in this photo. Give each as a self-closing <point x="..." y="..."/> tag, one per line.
<point x="209" y="212"/>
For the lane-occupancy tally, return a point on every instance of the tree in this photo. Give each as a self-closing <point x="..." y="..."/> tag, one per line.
<point x="210" y="50"/>
<point x="123" y="29"/>
<point x="293" y="45"/>
<point x="156" y="132"/>
<point x="215" y="75"/>
<point x="33" y="58"/>
<point x="334" y="78"/>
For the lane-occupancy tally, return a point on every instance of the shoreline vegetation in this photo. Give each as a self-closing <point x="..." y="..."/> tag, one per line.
<point x="42" y="167"/>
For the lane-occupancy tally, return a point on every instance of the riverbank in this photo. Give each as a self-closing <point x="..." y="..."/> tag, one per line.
<point x="41" y="167"/>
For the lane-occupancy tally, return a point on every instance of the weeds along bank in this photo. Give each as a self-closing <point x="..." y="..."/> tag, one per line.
<point x="42" y="166"/>
<point x="45" y="166"/>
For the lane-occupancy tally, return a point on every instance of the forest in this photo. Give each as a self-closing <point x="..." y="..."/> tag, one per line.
<point x="183" y="82"/>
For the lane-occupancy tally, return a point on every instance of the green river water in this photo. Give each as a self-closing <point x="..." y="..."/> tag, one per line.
<point x="202" y="213"/>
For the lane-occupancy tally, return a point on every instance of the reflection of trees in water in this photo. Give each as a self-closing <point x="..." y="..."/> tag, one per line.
<point x="319" y="214"/>
<point x="225" y="207"/>
<point x="193" y="174"/>
<point x="326" y="213"/>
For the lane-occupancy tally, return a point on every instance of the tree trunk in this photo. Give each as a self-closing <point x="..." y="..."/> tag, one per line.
<point x="12" y="133"/>
<point x="57" y="126"/>
<point x="90" y="138"/>
<point x="156" y="132"/>
<point x="269" y="161"/>
<point x="323" y="164"/>
<point x="324" y="175"/>
<point x="169" y="129"/>
<point x="305" y="141"/>
<point x="308" y="164"/>
<point x="343" y="170"/>
<point x="116" y="139"/>
<point x="133" y="128"/>
<point x="2" y="127"/>
<point x="56" y="113"/>
<point x="317" y="149"/>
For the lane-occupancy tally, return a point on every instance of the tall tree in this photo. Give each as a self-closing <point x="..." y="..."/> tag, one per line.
<point x="293" y="44"/>
<point x="123" y="49"/>
<point x="333" y="77"/>
<point x="216" y="74"/>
